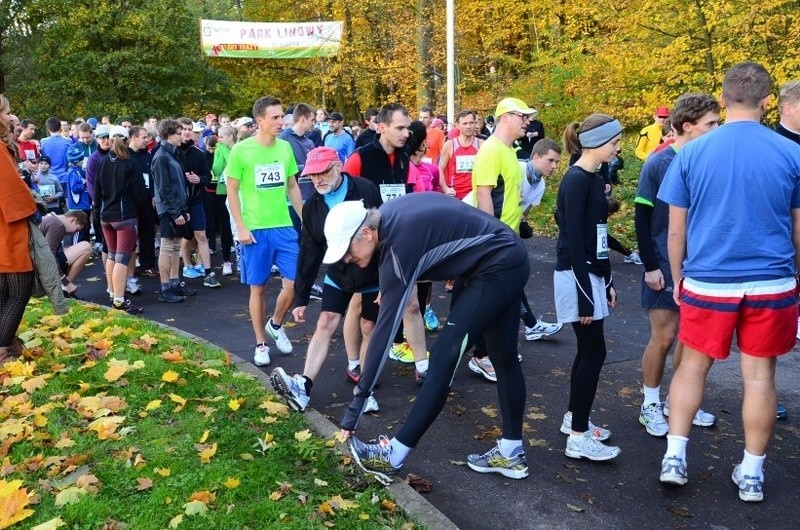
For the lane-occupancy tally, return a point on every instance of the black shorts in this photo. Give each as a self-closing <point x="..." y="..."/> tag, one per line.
<point x="197" y="217"/>
<point x="170" y="230"/>
<point x="336" y="301"/>
<point x="659" y="299"/>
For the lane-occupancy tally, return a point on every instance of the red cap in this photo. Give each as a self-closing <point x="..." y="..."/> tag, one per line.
<point x="662" y="112"/>
<point x="319" y="160"/>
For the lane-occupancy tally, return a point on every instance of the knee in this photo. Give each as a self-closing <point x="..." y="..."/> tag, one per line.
<point x="366" y="327"/>
<point x="328" y="322"/>
<point x="84" y="248"/>
<point x="201" y="237"/>
<point x="412" y="306"/>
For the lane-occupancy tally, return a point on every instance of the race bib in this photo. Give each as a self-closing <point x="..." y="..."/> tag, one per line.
<point x="30" y="155"/>
<point x="269" y="176"/>
<point x="464" y="163"/>
<point x="146" y="180"/>
<point x="47" y="189"/>
<point x="602" y="241"/>
<point x="223" y="179"/>
<point x="392" y="191"/>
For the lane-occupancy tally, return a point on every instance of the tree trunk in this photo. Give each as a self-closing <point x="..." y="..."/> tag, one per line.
<point x="426" y="89"/>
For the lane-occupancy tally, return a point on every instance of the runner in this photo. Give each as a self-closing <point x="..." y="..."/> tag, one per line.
<point x="458" y="157"/>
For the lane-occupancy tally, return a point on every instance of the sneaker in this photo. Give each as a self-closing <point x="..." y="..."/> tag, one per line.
<point x="431" y="320"/>
<point x="483" y="366"/>
<point x="316" y="292"/>
<point x="371" y="405"/>
<point x="279" y="336"/>
<point x="212" y="281"/>
<point x="598" y="433"/>
<point x="634" y="258"/>
<point x="590" y="448"/>
<point x="492" y="461"/>
<point x="751" y="489"/>
<point x="191" y="273"/>
<point x="182" y="290"/>
<point x="275" y="271"/>
<point x="132" y="286"/>
<point x="374" y="458"/>
<point x="419" y="377"/>
<point x="701" y="418"/>
<point x="261" y="355"/>
<point x="227" y="268"/>
<point x="170" y="297"/>
<point x="653" y="420"/>
<point x="199" y="268"/>
<point x="149" y="272"/>
<point x="402" y="353"/>
<point x="542" y="329"/>
<point x="673" y="471"/>
<point x="781" y="413"/>
<point x="128" y="307"/>
<point x="354" y="375"/>
<point x="292" y="389"/>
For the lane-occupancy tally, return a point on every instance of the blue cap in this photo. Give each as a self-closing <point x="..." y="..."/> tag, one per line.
<point x="75" y="153"/>
<point x="92" y="122"/>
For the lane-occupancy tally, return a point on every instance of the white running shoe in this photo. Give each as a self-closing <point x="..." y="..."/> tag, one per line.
<point x="652" y="418"/>
<point x="292" y="389"/>
<point x="542" y="329"/>
<point x="634" y="258"/>
<point x="132" y="286"/>
<point x="701" y="418"/>
<point x="483" y="366"/>
<point x="598" y="433"/>
<point x="227" y="268"/>
<point x="279" y="336"/>
<point x="590" y="448"/>
<point x="751" y="489"/>
<point x="372" y="405"/>
<point x="673" y="471"/>
<point x="261" y="356"/>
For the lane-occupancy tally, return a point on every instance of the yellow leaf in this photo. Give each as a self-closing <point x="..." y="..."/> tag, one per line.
<point x="175" y="521"/>
<point x="207" y="453"/>
<point x="302" y="436"/>
<point x="40" y="420"/>
<point x="278" y="409"/>
<point x="88" y="482"/>
<point x="275" y="495"/>
<point x="52" y="524"/>
<point x="233" y="404"/>
<point x="106" y="427"/>
<point x="342" y="504"/>
<point x="65" y="442"/>
<point x="211" y="372"/>
<point x="170" y="376"/>
<point x="246" y="456"/>
<point x="326" y="508"/>
<point x="69" y="496"/>
<point x="268" y="437"/>
<point x="172" y="356"/>
<point x="363" y="516"/>
<point x="388" y="505"/>
<point x="204" y="437"/>
<point x="231" y="483"/>
<point x="31" y="385"/>
<point x="195" y="508"/>
<point x="163" y="471"/>
<point x="115" y="372"/>
<point x="179" y="400"/>
<point x="153" y="405"/>
<point x="13" y="500"/>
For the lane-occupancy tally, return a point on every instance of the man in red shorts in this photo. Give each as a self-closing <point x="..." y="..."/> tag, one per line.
<point x="733" y="272"/>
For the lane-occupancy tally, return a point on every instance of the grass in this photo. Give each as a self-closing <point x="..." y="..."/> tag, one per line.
<point x="111" y="421"/>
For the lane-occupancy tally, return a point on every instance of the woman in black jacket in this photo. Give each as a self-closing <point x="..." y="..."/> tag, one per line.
<point x="120" y="194"/>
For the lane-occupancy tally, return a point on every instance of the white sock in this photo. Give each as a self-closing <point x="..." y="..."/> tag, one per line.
<point x="399" y="453"/>
<point x="651" y="395"/>
<point x="508" y="447"/>
<point x="351" y="365"/>
<point x="119" y="300"/>
<point x="422" y="366"/>
<point x="676" y="446"/>
<point x="752" y="465"/>
<point x="577" y="437"/>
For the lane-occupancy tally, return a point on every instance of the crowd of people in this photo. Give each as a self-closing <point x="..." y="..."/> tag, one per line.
<point x="398" y="204"/>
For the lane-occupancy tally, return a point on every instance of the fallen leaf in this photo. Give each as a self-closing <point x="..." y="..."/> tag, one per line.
<point x="179" y="400"/>
<point x="14" y="500"/>
<point x="34" y="384"/>
<point x="536" y="442"/>
<point x="144" y="483"/>
<point x="69" y="496"/>
<point x="52" y="524"/>
<point x="204" y="496"/>
<point x="204" y="437"/>
<point x="231" y="483"/>
<point x="170" y="376"/>
<point x="207" y="453"/>
<point x="278" y="409"/>
<point x="212" y="372"/>
<point x="388" y="505"/>
<point x="195" y="508"/>
<point x="318" y="482"/>
<point x="175" y="521"/>
<point x="680" y="511"/>
<point x="302" y="436"/>
<point x="458" y="462"/>
<point x="418" y="483"/>
<point x="275" y="495"/>
<point x="172" y="356"/>
<point x="489" y="411"/>
<point x="162" y="471"/>
<point x="342" y="504"/>
<point x="153" y="405"/>
<point x="88" y="482"/>
<point x="115" y="372"/>
<point x="246" y="456"/>
<point x="234" y="404"/>
<point x="574" y="508"/>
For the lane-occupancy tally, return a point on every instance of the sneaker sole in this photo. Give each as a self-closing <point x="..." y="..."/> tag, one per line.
<point x="578" y="455"/>
<point x="484" y="374"/>
<point x="650" y="431"/>
<point x="399" y="359"/>
<point x="566" y="431"/>
<point x="747" y="497"/>
<point x="675" y="480"/>
<point x="510" y="473"/>
<point x="279" y="386"/>
<point x="383" y="478"/>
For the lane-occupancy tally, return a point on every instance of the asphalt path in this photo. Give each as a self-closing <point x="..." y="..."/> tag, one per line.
<point x="560" y="492"/>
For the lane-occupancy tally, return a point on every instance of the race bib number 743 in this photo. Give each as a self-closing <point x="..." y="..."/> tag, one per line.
<point x="269" y="176"/>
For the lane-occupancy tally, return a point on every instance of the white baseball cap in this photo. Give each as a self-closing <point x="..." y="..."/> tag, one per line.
<point x="341" y="225"/>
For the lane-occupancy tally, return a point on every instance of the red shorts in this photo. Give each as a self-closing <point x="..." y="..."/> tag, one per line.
<point x="763" y="313"/>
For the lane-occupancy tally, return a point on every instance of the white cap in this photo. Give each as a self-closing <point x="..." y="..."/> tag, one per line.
<point x="341" y="225"/>
<point x="118" y="130"/>
<point x="197" y="126"/>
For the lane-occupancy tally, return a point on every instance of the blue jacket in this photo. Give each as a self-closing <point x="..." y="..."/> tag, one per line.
<point x="77" y="192"/>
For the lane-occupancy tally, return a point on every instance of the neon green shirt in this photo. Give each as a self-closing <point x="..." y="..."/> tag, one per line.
<point x="263" y="173"/>
<point x="496" y="165"/>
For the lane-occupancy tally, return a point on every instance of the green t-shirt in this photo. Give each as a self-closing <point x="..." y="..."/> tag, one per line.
<point x="221" y="156"/>
<point x="263" y="173"/>
<point x="493" y="161"/>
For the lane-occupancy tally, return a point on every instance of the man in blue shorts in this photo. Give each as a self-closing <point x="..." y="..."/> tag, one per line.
<point x="261" y="174"/>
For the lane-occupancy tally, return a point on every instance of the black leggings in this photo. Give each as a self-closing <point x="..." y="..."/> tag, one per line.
<point x="526" y="314"/>
<point x="586" y="371"/>
<point x="487" y="306"/>
<point x="15" y="291"/>
<point x="423" y="288"/>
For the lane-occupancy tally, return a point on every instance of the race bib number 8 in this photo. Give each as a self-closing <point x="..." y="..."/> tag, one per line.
<point x="269" y="176"/>
<point x="602" y="241"/>
<point x="392" y="191"/>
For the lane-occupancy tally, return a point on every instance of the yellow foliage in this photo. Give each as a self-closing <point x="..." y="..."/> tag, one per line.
<point x="13" y="502"/>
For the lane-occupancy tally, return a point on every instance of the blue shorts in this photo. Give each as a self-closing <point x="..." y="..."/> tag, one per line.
<point x="659" y="299"/>
<point x="197" y="217"/>
<point x="273" y="245"/>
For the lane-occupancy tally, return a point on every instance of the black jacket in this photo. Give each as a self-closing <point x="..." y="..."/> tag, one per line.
<point x="168" y="181"/>
<point x="145" y="160"/>
<point x="193" y="160"/>
<point x="313" y="245"/>
<point x="119" y="190"/>
<point x="365" y="138"/>
<point x="375" y="165"/>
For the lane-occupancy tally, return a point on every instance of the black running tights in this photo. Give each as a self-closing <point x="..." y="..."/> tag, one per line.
<point x="15" y="291"/>
<point x="586" y="371"/>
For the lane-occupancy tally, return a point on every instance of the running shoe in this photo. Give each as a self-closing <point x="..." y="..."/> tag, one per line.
<point x="128" y="307"/>
<point x="316" y="292"/>
<point x="431" y="320"/>
<point x="132" y="286"/>
<point x="149" y="272"/>
<point x="483" y="366"/>
<point x="633" y="258"/>
<point x="402" y="353"/>
<point x="292" y="389"/>
<point x="279" y="336"/>
<point x="542" y="329"/>
<point x="598" y="433"/>
<point x="374" y="459"/>
<point x="371" y="405"/>
<point x="191" y="273"/>
<point x="227" y="268"/>
<point x="182" y="290"/>
<point x="701" y="418"/>
<point x="782" y="413"/>
<point x="652" y="418"/>
<point x="751" y="489"/>
<point x="354" y="375"/>
<point x="493" y="461"/>
<point x="212" y="281"/>
<point x="170" y="297"/>
<point x="275" y="271"/>
<point x="673" y="471"/>
<point x="199" y="267"/>
<point x="261" y="355"/>
<point x="590" y="448"/>
<point x="419" y="377"/>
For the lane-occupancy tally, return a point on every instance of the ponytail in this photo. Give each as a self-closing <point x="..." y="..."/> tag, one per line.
<point x="571" y="143"/>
